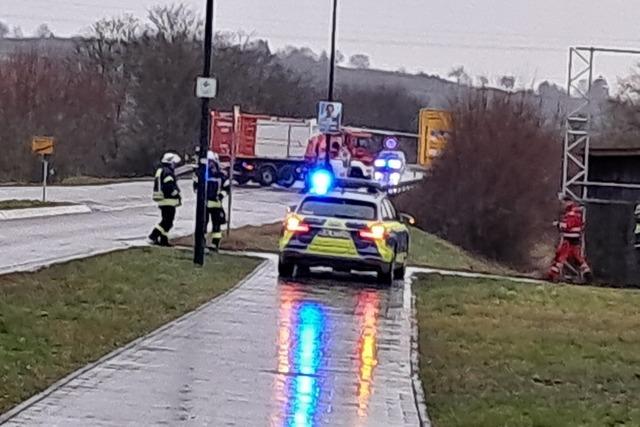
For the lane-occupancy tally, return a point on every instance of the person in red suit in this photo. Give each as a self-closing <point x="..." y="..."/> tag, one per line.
<point x="571" y="227"/>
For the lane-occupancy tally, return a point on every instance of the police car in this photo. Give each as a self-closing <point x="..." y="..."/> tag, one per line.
<point x="347" y="225"/>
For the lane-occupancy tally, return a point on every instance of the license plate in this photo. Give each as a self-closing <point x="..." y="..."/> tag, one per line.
<point x="338" y="234"/>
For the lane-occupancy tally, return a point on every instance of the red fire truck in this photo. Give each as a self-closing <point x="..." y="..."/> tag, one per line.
<point x="274" y="150"/>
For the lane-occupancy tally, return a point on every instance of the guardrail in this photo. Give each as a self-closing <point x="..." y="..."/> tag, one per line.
<point x="404" y="186"/>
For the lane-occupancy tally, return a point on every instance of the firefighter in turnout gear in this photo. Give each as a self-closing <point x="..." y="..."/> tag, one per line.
<point x="217" y="190"/>
<point x="166" y="194"/>
<point x="571" y="228"/>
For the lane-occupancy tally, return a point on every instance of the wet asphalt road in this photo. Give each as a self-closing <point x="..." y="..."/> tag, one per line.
<point x="123" y="215"/>
<point x="327" y="351"/>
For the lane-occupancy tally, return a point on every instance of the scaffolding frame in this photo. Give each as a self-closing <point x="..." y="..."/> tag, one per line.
<point x="577" y="129"/>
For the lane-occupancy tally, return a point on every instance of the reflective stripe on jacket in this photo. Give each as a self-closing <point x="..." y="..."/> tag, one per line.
<point x="217" y="187"/>
<point x="165" y="188"/>
<point x="572" y="224"/>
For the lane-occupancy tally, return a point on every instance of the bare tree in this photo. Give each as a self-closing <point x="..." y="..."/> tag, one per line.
<point x="4" y="30"/>
<point x="360" y="61"/>
<point x="507" y="82"/>
<point x="43" y="31"/>
<point x="460" y="75"/>
<point x="110" y="49"/>
<point x="48" y="95"/>
<point x="176" y="23"/>
<point x="17" y="32"/>
<point x="340" y="58"/>
<point x="483" y="80"/>
<point x="504" y="159"/>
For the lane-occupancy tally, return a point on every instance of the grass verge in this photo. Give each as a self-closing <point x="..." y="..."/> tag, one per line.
<point x="27" y="204"/>
<point x="74" y="181"/>
<point x="57" y="320"/>
<point x="426" y="249"/>
<point x="263" y="238"/>
<point x="431" y="251"/>
<point x="498" y="353"/>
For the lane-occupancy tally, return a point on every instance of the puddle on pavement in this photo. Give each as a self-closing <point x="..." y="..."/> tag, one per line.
<point x="327" y="348"/>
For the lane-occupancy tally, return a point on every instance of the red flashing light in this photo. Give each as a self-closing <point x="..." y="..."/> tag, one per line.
<point x="375" y="232"/>
<point x="295" y="225"/>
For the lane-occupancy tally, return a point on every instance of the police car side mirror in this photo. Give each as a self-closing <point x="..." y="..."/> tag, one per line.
<point x="291" y="208"/>
<point x="407" y="219"/>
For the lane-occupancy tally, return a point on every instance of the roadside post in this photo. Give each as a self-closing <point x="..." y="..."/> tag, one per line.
<point x="330" y="97"/>
<point x="43" y="146"/>
<point x="237" y="129"/>
<point x="206" y="88"/>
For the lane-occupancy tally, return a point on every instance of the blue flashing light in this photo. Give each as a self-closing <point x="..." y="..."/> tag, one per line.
<point x="380" y="163"/>
<point x="321" y="181"/>
<point x="395" y="163"/>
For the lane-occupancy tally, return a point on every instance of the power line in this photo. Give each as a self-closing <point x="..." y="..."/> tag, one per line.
<point x="427" y="44"/>
<point x="306" y="25"/>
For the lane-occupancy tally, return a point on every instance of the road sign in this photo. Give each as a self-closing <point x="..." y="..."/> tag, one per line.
<point x="329" y="117"/>
<point x="42" y="145"/>
<point x="206" y="87"/>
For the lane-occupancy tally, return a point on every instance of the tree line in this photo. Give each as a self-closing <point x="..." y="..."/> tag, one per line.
<point x="126" y="94"/>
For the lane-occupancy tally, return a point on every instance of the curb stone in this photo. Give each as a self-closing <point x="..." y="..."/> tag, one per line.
<point x="416" y="382"/>
<point x="13" y="214"/>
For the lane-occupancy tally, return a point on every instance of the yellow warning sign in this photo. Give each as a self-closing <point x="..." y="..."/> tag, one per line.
<point x="42" y="145"/>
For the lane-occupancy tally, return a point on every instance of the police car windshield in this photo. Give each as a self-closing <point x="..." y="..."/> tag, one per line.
<point x="338" y="208"/>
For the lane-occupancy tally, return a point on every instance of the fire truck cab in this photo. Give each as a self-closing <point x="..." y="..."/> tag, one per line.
<point x="351" y="153"/>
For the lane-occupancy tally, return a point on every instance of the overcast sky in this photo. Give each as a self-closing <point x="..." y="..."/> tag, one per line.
<point x="526" y="38"/>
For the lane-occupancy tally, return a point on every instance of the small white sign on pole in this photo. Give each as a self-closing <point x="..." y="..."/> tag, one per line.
<point x="206" y="87"/>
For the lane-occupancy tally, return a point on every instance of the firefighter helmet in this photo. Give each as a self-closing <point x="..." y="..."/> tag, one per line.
<point x="170" y="158"/>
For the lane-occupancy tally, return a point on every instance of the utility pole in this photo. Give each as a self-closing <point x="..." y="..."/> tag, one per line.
<point x="332" y="60"/>
<point x="332" y="74"/>
<point x="201" y="204"/>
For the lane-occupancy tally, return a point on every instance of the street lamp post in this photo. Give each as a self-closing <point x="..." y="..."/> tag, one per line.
<point x="332" y="74"/>
<point x="201" y="208"/>
<point x="332" y="60"/>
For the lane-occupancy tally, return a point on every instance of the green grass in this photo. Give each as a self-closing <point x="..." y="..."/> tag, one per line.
<point x="429" y="250"/>
<point x="82" y="180"/>
<point x="497" y="353"/>
<point x="426" y="249"/>
<point x="26" y="204"/>
<point x="57" y="320"/>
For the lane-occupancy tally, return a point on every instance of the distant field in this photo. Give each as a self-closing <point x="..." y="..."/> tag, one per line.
<point x="498" y="353"/>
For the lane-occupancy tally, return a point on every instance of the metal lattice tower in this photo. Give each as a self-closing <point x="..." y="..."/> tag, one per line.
<point x="578" y="124"/>
<point x="577" y="138"/>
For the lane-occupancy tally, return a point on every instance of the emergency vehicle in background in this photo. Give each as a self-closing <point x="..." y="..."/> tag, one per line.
<point x="435" y="131"/>
<point x="276" y="150"/>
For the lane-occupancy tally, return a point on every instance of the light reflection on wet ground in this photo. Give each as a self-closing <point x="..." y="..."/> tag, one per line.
<point x="328" y="330"/>
<point x="327" y="351"/>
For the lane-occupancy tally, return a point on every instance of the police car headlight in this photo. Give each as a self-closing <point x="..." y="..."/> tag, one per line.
<point x="395" y="164"/>
<point x="378" y="176"/>
<point x="395" y="178"/>
<point x="380" y="163"/>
